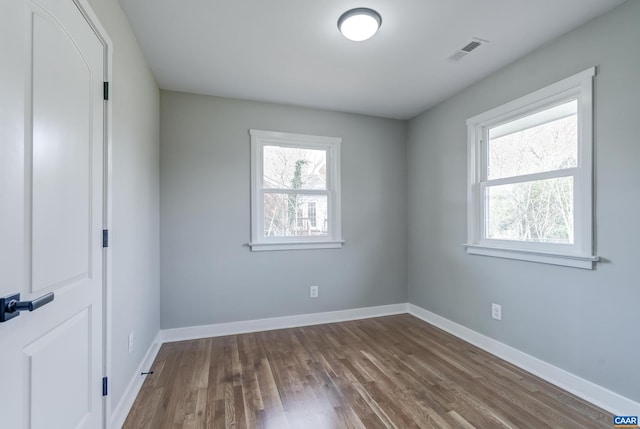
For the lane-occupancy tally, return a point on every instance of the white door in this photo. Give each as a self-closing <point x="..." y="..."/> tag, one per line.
<point x="51" y="200"/>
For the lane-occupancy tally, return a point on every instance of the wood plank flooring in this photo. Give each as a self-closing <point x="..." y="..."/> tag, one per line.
<point x="387" y="372"/>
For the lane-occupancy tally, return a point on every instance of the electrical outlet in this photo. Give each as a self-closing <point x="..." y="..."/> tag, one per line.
<point x="496" y="311"/>
<point x="130" y="342"/>
<point x="313" y="292"/>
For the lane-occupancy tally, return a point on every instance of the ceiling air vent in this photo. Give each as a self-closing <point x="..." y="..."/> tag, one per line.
<point x="466" y="49"/>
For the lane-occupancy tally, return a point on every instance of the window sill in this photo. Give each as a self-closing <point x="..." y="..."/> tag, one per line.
<point x="575" y="261"/>
<point x="296" y="245"/>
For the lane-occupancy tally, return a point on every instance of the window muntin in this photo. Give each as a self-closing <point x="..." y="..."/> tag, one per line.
<point x="530" y="177"/>
<point x="295" y="180"/>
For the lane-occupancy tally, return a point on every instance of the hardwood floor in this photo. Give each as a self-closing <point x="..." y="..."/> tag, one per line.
<point x="388" y="372"/>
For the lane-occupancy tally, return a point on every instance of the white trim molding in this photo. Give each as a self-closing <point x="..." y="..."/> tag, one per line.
<point x="587" y="390"/>
<point x="572" y="96"/>
<point x="243" y="327"/>
<point x="303" y="245"/>
<point x="260" y="241"/>
<point x="123" y="408"/>
<point x="95" y="22"/>
<point x="585" y="262"/>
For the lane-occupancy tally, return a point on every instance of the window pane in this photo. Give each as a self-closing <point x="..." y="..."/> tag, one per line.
<point x="544" y="141"/>
<point x="295" y="215"/>
<point x="312" y="214"/>
<point x="537" y="211"/>
<point x="294" y="168"/>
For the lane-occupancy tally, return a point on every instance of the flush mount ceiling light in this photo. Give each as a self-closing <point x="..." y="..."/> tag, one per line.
<point x="359" y="24"/>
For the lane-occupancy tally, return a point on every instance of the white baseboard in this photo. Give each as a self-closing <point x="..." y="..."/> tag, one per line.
<point x="591" y="392"/>
<point x="121" y="411"/>
<point x="232" y="328"/>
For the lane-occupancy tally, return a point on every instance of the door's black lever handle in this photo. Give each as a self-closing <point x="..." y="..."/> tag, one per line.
<point x="30" y="305"/>
<point x="11" y="306"/>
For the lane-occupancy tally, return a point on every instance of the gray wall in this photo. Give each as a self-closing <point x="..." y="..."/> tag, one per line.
<point x="585" y="322"/>
<point x="135" y="222"/>
<point x="207" y="273"/>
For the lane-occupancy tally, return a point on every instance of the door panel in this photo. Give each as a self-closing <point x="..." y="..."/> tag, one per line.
<point x="62" y="122"/>
<point x="65" y="343"/>
<point x="51" y="201"/>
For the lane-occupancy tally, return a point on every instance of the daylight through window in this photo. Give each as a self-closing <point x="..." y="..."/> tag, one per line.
<point x="539" y="154"/>
<point x="530" y="191"/>
<point x="295" y="191"/>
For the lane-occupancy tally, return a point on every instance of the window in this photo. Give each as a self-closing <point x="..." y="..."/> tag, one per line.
<point x="530" y="176"/>
<point x="311" y="214"/>
<point x="295" y="179"/>
<point x="300" y="219"/>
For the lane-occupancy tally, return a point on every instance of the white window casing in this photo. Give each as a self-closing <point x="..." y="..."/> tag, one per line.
<point x="332" y="238"/>
<point x="578" y="253"/>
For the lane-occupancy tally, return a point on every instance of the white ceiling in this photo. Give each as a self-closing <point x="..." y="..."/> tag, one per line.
<point x="290" y="51"/>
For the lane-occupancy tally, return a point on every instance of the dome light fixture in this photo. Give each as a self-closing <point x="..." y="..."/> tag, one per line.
<point x="359" y="24"/>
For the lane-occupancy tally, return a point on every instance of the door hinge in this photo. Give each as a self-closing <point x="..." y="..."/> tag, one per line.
<point x="105" y="386"/>
<point x="105" y="238"/>
<point x="105" y="90"/>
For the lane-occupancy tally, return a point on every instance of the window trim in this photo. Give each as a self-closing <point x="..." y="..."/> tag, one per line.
<point x="332" y="145"/>
<point x="579" y="254"/>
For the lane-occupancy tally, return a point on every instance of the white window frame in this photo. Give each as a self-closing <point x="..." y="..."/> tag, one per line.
<point x="580" y="253"/>
<point x="333" y="239"/>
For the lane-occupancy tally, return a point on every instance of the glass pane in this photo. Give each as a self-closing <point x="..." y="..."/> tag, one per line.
<point x="538" y="211"/>
<point x="294" y="168"/>
<point x="295" y="215"/>
<point x="544" y="141"/>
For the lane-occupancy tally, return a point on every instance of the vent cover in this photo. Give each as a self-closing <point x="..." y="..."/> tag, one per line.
<point x="473" y="44"/>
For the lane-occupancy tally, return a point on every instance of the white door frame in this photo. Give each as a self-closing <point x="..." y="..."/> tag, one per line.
<point x="99" y="30"/>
